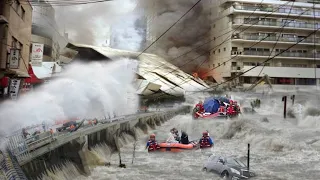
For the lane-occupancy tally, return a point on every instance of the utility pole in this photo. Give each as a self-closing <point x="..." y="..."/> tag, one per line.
<point x="284" y="99"/>
<point x="292" y="98"/>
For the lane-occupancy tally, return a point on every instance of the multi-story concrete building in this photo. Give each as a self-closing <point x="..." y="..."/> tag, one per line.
<point x="15" y="37"/>
<point x="247" y="32"/>
<point x="45" y="30"/>
<point x="15" y="31"/>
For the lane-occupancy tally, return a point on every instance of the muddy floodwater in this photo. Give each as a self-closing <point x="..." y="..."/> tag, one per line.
<point x="280" y="148"/>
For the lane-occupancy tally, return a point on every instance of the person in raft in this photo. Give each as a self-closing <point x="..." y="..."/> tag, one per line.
<point x="152" y="144"/>
<point x="206" y="140"/>
<point x="173" y="136"/>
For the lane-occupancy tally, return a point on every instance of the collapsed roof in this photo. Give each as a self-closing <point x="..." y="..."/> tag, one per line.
<point x="156" y="77"/>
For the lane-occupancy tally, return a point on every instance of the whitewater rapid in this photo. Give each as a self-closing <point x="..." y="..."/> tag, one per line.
<point x="285" y="149"/>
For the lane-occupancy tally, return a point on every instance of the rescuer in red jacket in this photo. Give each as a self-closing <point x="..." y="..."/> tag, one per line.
<point x="230" y="109"/>
<point x="205" y="141"/>
<point x="152" y="144"/>
<point x="200" y="107"/>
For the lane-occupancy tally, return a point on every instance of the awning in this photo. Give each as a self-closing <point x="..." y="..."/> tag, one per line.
<point x="33" y="79"/>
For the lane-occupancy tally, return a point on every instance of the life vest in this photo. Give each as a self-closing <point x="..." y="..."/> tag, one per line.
<point x="231" y="110"/>
<point x="205" y="142"/>
<point x="200" y="107"/>
<point x="222" y="109"/>
<point x="153" y="145"/>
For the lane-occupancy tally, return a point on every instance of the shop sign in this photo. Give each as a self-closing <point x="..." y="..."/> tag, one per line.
<point x="14" y="88"/>
<point x="14" y="59"/>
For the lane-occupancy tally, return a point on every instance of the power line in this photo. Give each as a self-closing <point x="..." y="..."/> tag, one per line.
<point x="265" y="60"/>
<point x="64" y="38"/>
<point x="275" y="43"/>
<point x="231" y="31"/>
<point x="60" y="3"/>
<point x="227" y="39"/>
<point x="257" y="65"/>
<point x="170" y="27"/>
<point x="254" y="45"/>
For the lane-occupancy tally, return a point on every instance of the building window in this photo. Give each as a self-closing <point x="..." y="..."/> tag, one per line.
<point x="214" y="25"/>
<point x="47" y="50"/>
<point x="234" y="64"/>
<point x="218" y="64"/>
<point x="246" y="80"/>
<point x="224" y="49"/>
<point x="219" y="50"/>
<point x="213" y="65"/>
<point x="214" y="38"/>
<point x="214" y="52"/>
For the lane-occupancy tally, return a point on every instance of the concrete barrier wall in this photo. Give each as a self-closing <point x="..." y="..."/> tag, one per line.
<point x="72" y="147"/>
<point x="10" y="167"/>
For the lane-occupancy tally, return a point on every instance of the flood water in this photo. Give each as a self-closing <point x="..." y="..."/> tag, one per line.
<point x="280" y="148"/>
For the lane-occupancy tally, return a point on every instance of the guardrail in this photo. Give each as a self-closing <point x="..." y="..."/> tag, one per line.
<point x="24" y="151"/>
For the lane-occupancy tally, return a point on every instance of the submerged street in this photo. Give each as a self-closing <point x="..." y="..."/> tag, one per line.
<point x="280" y="149"/>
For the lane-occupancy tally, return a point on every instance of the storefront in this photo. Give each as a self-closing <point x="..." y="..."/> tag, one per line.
<point x="11" y="83"/>
<point x="31" y="82"/>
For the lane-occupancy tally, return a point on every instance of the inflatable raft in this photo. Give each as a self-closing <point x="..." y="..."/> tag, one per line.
<point x="178" y="145"/>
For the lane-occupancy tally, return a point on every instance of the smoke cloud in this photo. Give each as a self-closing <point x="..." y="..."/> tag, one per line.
<point x="90" y="23"/>
<point x="190" y="32"/>
<point x="94" y="23"/>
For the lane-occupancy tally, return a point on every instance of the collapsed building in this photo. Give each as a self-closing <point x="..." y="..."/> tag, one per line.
<point x="157" y="80"/>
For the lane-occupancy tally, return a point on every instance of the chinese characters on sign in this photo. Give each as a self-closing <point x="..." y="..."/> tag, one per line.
<point x="14" y="88"/>
<point x="14" y="58"/>
<point x="37" y="54"/>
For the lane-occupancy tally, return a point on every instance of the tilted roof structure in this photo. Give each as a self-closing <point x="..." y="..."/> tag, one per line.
<point x="155" y="73"/>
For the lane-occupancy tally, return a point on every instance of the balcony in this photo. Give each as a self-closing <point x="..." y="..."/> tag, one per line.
<point x="266" y="54"/>
<point x="275" y="37"/>
<point x="276" y="10"/>
<point x="289" y="72"/>
<point x="274" y="23"/>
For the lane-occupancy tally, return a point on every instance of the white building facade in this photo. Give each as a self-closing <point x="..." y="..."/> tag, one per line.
<point x="247" y="32"/>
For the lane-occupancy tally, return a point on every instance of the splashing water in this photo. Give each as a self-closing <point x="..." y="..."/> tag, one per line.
<point x="93" y="90"/>
<point x="281" y="148"/>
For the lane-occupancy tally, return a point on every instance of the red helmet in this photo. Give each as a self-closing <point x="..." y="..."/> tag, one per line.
<point x="205" y="133"/>
<point x="152" y="136"/>
<point x="230" y="101"/>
